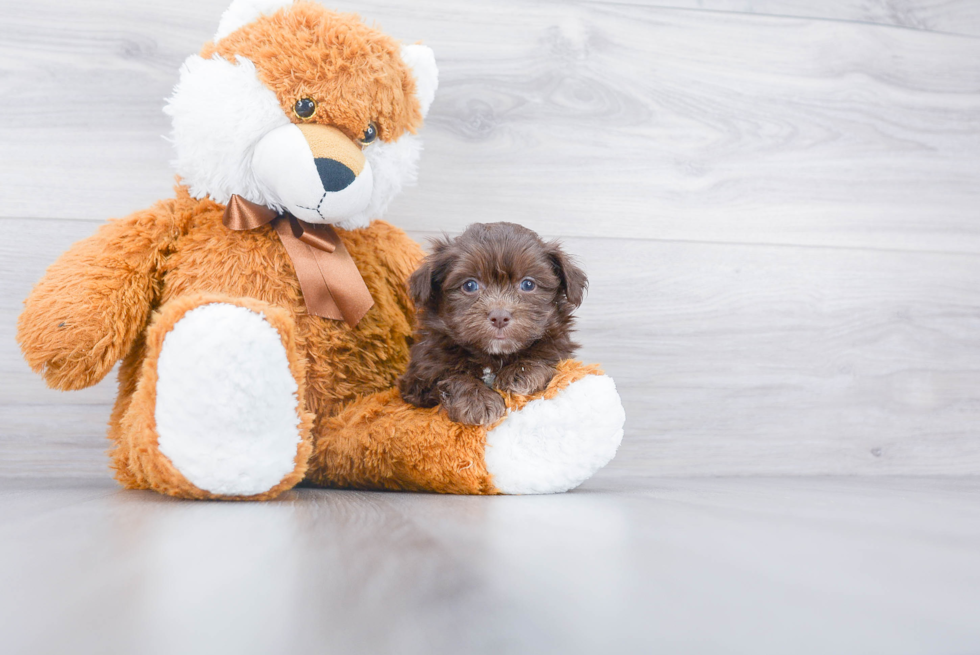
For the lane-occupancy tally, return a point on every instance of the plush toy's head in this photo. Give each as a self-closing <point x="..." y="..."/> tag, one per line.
<point x="301" y="109"/>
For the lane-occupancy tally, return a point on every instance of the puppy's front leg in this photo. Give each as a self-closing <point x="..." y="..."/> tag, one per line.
<point x="468" y="400"/>
<point x="525" y="377"/>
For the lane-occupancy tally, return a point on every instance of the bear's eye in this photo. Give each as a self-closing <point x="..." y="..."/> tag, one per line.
<point x="471" y="286"/>
<point x="527" y="284"/>
<point x="305" y="108"/>
<point x="370" y="134"/>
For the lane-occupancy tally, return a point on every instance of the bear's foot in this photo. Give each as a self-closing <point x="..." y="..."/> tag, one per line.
<point x="227" y="420"/>
<point x="555" y="443"/>
<point x="548" y="442"/>
<point x="226" y="408"/>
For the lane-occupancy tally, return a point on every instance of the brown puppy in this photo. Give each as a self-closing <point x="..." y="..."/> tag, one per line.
<point x="494" y="307"/>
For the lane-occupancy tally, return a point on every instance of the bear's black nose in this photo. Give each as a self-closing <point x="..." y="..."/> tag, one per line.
<point x="334" y="175"/>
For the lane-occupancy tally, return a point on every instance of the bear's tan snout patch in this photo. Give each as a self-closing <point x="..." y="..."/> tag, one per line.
<point x="328" y="142"/>
<point x="338" y="159"/>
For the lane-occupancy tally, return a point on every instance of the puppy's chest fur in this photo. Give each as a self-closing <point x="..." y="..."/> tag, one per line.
<point x="444" y="357"/>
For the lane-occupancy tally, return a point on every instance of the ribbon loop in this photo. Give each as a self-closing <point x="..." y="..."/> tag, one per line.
<point x="331" y="284"/>
<point x="240" y="214"/>
<point x="309" y="235"/>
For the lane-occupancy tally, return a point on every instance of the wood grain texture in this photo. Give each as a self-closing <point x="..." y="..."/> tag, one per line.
<point x="778" y="204"/>
<point x="753" y="566"/>
<point x="949" y="16"/>
<point x="780" y="213"/>
<point x="585" y="119"/>
<point x="731" y="360"/>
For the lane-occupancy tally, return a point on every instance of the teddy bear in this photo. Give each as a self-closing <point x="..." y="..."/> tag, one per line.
<point x="261" y="315"/>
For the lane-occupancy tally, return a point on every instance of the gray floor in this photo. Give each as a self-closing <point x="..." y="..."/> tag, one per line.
<point x="625" y="564"/>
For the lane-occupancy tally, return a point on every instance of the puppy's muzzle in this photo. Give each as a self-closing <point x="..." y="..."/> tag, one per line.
<point x="338" y="159"/>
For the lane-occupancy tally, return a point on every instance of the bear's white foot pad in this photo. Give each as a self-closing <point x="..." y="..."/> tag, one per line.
<point x="551" y="446"/>
<point x="226" y="406"/>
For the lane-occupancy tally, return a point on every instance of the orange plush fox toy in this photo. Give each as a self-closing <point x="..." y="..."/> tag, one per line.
<point x="262" y="316"/>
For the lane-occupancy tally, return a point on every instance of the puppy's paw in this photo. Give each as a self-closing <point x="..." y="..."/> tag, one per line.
<point x="525" y="378"/>
<point x="471" y="402"/>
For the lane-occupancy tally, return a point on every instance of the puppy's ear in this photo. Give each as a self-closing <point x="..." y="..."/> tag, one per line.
<point x="425" y="284"/>
<point x="420" y="284"/>
<point x="573" y="281"/>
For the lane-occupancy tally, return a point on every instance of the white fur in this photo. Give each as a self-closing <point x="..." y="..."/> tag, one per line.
<point x="232" y="137"/>
<point x="220" y="111"/>
<point x="422" y="61"/>
<point x="283" y="165"/>
<point x="394" y="166"/>
<point x="285" y="170"/>
<point x="242" y="12"/>
<point x="225" y="124"/>
<point x="555" y="445"/>
<point x="226" y="408"/>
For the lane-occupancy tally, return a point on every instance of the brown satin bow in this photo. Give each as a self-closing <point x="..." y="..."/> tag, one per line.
<point x="332" y="286"/>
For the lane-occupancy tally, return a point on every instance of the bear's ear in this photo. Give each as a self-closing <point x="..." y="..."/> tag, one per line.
<point x="242" y="12"/>
<point x="573" y="281"/>
<point x="422" y="61"/>
<point x="425" y="284"/>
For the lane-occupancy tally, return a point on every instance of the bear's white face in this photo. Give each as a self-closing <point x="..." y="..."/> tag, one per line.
<point x="232" y="137"/>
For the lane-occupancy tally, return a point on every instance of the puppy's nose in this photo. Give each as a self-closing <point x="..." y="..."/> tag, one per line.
<point x="499" y="318"/>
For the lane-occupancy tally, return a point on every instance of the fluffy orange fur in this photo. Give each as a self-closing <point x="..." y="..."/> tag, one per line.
<point x="116" y="295"/>
<point x="94" y="306"/>
<point x="382" y="442"/>
<point x="136" y="456"/>
<point x="353" y="72"/>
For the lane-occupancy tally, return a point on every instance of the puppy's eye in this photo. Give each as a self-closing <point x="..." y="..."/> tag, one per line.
<point x="305" y="108"/>
<point x="527" y="284"/>
<point x="470" y="286"/>
<point x="370" y="134"/>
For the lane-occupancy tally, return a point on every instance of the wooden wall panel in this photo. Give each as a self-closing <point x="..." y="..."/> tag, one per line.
<point x="731" y="360"/>
<point x="586" y="119"/>
<point x="778" y="203"/>
<point x="949" y="16"/>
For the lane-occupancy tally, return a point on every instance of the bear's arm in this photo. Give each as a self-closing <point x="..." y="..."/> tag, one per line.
<point x="87" y="311"/>
<point x="401" y="255"/>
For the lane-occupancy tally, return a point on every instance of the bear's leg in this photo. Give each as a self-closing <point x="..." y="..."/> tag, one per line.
<point x="217" y="411"/>
<point x="549" y="442"/>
